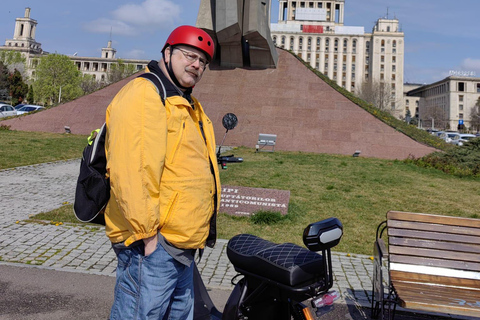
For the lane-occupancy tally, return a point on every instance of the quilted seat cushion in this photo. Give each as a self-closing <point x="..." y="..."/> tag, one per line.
<point x="286" y="263"/>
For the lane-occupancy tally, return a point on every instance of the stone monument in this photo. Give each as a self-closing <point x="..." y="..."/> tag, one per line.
<point x="241" y="30"/>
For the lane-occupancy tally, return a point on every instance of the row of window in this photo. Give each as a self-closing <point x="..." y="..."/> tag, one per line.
<point x="318" y="42"/>
<point x="382" y="68"/>
<point x="311" y="4"/>
<point x="461" y="87"/>
<point x="22" y="29"/>
<point x="407" y="103"/>
<point x="327" y="44"/>
<point x="103" y="67"/>
<point x="32" y="46"/>
<point x="394" y="59"/>
<point x="445" y="87"/>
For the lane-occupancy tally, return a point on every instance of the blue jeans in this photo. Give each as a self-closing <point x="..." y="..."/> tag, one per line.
<point x="152" y="287"/>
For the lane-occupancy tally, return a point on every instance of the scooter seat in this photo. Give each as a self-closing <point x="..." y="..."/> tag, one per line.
<point x="286" y="263"/>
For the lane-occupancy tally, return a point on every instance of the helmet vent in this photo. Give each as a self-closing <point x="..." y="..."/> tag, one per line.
<point x="208" y="42"/>
<point x="200" y="38"/>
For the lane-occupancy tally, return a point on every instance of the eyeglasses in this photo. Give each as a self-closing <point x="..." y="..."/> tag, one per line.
<point x="192" y="57"/>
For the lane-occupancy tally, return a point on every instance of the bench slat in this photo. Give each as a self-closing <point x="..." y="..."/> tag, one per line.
<point x="439" y="245"/>
<point x="425" y="261"/>
<point x="437" y="295"/>
<point x="429" y="279"/>
<point x="438" y="299"/>
<point x="433" y="218"/>
<point x="433" y="236"/>
<point x="431" y="253"/>
<point x="435" y="227"/>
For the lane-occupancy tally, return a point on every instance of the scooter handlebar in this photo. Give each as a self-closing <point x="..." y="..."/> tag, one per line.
<point x="229" y="158"/>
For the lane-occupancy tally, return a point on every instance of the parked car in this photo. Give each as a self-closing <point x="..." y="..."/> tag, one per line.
<point x="7" y="110"/>
<point x="461" y="138"/>
<point x="29" y="108"/>
<point x="18" y="106"/>
<point x="448" y="136"/>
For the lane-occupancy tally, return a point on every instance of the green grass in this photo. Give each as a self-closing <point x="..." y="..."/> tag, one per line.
<point x="20" y="148"/>
<point x="59" y="216"/>
<point x="63" y="214"/>
<point x="358" y="191"/>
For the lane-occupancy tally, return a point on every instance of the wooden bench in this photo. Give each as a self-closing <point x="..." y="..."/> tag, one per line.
<point x="433" y="264"/>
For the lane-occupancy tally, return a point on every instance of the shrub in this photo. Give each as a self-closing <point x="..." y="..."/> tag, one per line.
<point x="459" y="161"/>
<point x="266" y="217"/>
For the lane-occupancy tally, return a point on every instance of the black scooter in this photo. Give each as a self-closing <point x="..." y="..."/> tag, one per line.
<point x="276" y="280"/>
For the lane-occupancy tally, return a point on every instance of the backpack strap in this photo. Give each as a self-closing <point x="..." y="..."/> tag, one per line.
<point x="153" y="78"/>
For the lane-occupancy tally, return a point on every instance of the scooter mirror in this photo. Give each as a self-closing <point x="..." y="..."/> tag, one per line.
<point x="229" y="121"/>
<point x="323" y="235"/>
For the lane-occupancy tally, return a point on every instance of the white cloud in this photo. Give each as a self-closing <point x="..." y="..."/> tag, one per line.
<point x="134" y="19"/>
<point x="104" y="25"/>
<point x="149" y="12"/>
<point x="471" y="64"/>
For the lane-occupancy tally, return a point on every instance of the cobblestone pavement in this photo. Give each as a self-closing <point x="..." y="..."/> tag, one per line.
<point x="33" y="189"/>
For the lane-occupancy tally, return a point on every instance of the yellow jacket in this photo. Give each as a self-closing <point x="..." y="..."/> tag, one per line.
<point x="163" y="172"/>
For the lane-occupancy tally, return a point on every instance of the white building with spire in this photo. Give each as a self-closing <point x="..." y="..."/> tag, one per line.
<point x="315" y="31"/>
<point x="24" y="42"/>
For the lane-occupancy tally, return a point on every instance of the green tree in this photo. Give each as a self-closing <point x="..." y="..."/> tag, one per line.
<point x="18" y="88"/>
<point x="30" y="96"/>
<point x="119" y="71"/>
<point x="57" y="79"/>
<point x="4" y="87"/>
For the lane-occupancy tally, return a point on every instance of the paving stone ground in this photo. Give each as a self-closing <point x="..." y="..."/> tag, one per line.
<point x="39" y="188"/>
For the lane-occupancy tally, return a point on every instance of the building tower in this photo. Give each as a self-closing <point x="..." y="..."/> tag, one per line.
<point x="315" y="31"/>
<point x="109" y="52"/>
<point x="24" y="36"/>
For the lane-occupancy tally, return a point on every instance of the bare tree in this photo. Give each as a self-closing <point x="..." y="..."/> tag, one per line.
<point x="13" y="60"/>
<point x="120" y="70"/>
<point x="377" y="93"/>
<point x="435" y="115"/>
<point x="89" y="84"/>
<point x="475" y="116"/>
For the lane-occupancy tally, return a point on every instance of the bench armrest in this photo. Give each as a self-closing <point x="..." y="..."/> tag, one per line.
<point x="382" y="249"/>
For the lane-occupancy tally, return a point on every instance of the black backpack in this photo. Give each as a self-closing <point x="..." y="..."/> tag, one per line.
<point x="93" y="187"/>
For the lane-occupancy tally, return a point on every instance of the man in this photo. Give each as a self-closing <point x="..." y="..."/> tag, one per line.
<point x="165" y="187"/>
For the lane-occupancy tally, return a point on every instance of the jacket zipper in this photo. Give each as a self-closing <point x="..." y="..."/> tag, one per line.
<point x="178" y="142"/>
<point x="211" y="242"/>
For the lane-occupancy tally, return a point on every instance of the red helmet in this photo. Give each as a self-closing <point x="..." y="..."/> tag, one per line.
<point x="193" y="37"/>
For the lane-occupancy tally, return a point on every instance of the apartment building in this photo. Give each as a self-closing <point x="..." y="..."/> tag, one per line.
<point x="315" y="31"/>
<point x="448" y="103"/>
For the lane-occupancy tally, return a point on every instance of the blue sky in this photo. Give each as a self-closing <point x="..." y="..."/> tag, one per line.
<point x="440" y="35"/>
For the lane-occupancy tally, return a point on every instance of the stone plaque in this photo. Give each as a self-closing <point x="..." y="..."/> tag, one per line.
<point x="243" y="201"/>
